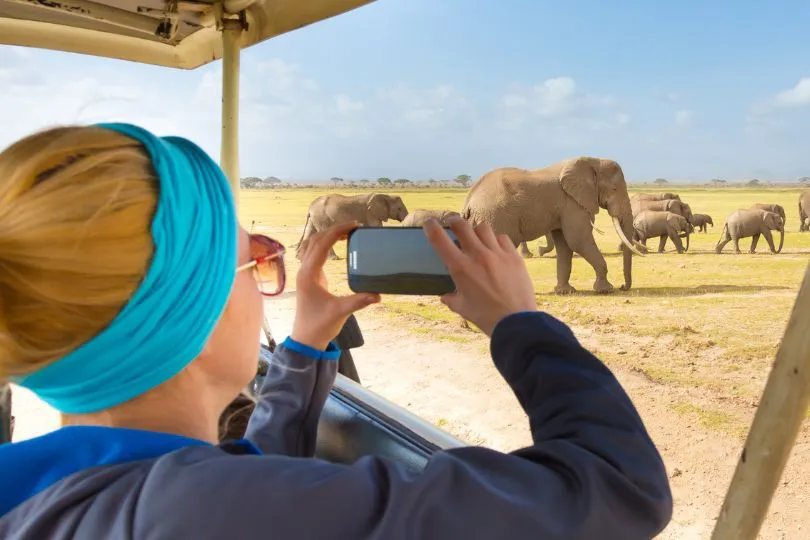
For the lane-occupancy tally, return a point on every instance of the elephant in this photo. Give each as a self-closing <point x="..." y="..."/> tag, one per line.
<point x="701" y="220"/>
<point x="775" y="208"/>
<point x="562" y="199"/>
<point x="334" y="209"/>
<point x="804" y="211"/>
<point x="656" y="196"/>
<point x="419" y="217"/>
<point x="667" y="205"/>
<point x="652" y="223"/>
<point x="751" y="222"/>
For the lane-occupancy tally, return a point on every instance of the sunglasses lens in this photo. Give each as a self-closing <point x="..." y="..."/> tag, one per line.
<point x="269" y="272"/>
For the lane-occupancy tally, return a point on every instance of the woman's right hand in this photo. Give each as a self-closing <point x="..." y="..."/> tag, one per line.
<point x="490" y="276"/>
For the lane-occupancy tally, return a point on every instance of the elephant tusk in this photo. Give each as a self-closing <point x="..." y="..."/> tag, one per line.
<point x="625" y="241"/>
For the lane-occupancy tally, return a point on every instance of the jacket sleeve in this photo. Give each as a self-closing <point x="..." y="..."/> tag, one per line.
<point x="592" y="471"/>
<point x="292" y="396"/>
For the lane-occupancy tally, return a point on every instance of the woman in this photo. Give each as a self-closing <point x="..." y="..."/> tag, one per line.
<point x="128" y="302"/>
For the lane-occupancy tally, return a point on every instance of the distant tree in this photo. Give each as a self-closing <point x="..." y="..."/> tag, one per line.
<point x="753" y="183"/>
<point x="250" y="182"/>
<point x="336" y="180"/>
<point x="718" y="182"/>
<point x="804" y="180"/>
<point x="402" y="181"/>
<point x="364" y="181"/>
<point x="432" y="182"/>
<point x="352" y="183"/>
<point x="384" y="181"/>
<point x="462" y="179"/>
<point x="272" y="180"/>
<point x="661" y="181"/>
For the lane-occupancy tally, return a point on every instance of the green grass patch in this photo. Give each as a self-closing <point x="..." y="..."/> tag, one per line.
<point x="712" y="420"/>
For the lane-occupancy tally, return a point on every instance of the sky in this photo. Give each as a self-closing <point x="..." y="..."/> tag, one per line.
<point x="421" y="89"/>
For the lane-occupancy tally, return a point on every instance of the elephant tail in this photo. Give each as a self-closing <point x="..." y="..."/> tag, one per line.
<point x="304" y="232"/>
<point x="723" y="234"/>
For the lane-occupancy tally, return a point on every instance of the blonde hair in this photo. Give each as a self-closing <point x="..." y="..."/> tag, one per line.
<point x="76" y="206"/>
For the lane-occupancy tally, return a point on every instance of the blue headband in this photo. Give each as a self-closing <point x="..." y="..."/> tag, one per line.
<point x="171" y="315"/>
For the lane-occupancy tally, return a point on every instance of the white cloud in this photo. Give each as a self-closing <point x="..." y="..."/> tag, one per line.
<point x="798" y="96"/>
<point x="684" y="117"/>
<point x="557" y="111"/>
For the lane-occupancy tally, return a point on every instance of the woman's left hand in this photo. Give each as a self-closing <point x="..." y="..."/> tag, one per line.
<point x="319" y="315"/>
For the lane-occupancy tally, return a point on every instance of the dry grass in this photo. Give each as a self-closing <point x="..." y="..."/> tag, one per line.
<point x="694" y="320"/>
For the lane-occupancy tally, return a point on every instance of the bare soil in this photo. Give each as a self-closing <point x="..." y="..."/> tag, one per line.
<point x="454" y="385"/>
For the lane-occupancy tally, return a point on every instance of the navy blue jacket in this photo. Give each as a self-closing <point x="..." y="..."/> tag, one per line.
<point x="592" y="471"/>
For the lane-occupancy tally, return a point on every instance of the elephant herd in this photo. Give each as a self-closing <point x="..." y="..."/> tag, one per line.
<point x="560" y="202"/>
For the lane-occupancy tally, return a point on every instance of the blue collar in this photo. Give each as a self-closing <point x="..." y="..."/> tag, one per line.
<point x="31" y="466"/>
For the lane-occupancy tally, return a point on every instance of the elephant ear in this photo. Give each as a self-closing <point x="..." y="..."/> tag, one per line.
<point x="578" y="178"/>
<point x="379" y="206"/>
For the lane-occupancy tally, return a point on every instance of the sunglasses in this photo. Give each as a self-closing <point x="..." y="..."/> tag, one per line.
<point x="267" y="264"/>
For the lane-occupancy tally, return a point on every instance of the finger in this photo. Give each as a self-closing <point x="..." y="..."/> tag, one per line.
<point x="320" y="246"/>
<point x="448" y="251"/>
<point x="506" y="243"/>
<point x="487" y="236"/>
<point x="355" y="302"/>
<point x="451" y="300"/>
<point x="470" y="242"/>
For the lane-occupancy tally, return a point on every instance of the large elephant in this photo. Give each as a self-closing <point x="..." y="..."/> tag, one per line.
<point x="751" y="222"/>
<point x="775" y="208"/>
<point x="700" y="222"/>
<point x="652" y="223"/>
<point x="417" y="218"/>
<point x="562" y="199"/>
<point x="334" y="209"/>
<point x="804" y="211"/>
<point x="656" y="196"/>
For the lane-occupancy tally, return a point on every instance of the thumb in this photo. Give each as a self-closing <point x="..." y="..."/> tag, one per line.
<point x="453" y="301"/>
<point x="356" y="302"/>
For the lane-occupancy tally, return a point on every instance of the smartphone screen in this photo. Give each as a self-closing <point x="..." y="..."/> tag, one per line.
<point x="396" y="260"/>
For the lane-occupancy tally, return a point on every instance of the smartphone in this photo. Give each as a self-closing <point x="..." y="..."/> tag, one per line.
<point x="396" y="260"/>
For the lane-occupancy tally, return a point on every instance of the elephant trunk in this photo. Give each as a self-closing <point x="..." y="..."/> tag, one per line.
<point x="624" y="228"/>
<point x="781" y="238"/>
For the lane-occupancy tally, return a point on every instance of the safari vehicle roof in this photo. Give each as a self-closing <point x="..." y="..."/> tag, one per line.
<point x="172" y="33"/>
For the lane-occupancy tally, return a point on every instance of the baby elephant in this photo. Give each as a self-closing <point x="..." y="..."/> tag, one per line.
<point x="751" y="222"/>
<point x="418" y="218"/>
<point x="652" y="223"/>
<point x="701" y="220"/>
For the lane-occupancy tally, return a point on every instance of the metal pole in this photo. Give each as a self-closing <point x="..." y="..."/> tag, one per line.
<point x="229" y="158"/>
<point x="773" y="432"/>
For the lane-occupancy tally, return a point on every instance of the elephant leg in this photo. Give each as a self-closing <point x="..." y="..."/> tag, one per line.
<point x="673" y="235"/>
<point x="725" y="239"/>
<point x="585" y="245"/>
<point x="524" y="250"/>
<point x="332" y="255"/>
<point x="564" y="258"/>
<point x="548" y="248"/>
<point x="754" y="241"/>
<point x="736" y="245"/>
<point x="662" y="240"/>
<point x="590" y="252"/>
<point x="769" y="239"/>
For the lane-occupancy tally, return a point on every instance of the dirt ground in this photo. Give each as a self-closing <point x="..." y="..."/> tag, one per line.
<point x="455" y="386"/>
